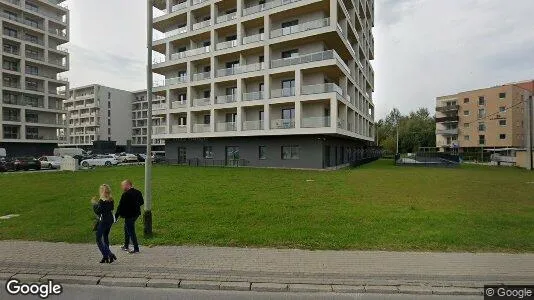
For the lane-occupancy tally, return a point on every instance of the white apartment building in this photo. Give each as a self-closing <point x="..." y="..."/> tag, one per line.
<point x="98" y="113"/>
<point x="283" y="83"/>
<point x="33" y="32"/>
<point x="140" y="121"/>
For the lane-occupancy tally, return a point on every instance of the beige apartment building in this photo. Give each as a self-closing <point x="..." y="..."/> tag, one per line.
<point x="283" y="83"/>
<point x="487" y="118"/>
<point x="33" y="32"/>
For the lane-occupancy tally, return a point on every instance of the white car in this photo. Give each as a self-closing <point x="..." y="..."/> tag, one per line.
<point x="50" y="162"/>
<point x="126" y="158"/>
<point x="100" y="160"/>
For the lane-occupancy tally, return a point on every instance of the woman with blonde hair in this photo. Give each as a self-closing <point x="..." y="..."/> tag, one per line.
<point x="104" y="211"/>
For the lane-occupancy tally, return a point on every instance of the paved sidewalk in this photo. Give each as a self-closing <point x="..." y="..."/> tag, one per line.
<point x="267" y="269"/>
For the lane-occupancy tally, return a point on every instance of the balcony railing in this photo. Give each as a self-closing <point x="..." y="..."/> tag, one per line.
<point x="180" y="6"/>
<point x="450" y="119"/>
<point x="159" y="130"/>
<point x="282" y="123"/>
<point x="195" y="2"/>
<point x="201" y="102"/>
<point x="171" y="33"/>
<point x="253" y="96"/>
<point x="9" y="118"/>
<point x="189" y="53"/>
<point x="225" y="99"/>
<point x="226" y="126"/>
<point x="179" y="129"/>
<point x="318" y="56"/>
<point x="172" y="81"/>
<point x="240" y="69"/>
<point x="226" y="18"/>
<point x="286" y="92"/>
<point x="321" y="88"/>
<point x="268" y="5"/>
<point x="453" y="131"/>
<point x="201" y="25"/>
<point x="178" y="104"/>
<point x="201" y="76"/>
<point x="253" y="125"/>
<point x="253" y="38"/>
<point x="315" y="122"/>
<point x="199" y="128"/>
<point x="447" y="108"/>
<point x="226" y="45"/>
<point x="300" y="27"/>
<point x="160" y="106"/>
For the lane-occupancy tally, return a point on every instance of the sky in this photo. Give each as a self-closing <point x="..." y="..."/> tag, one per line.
<point x="423" y="48"/>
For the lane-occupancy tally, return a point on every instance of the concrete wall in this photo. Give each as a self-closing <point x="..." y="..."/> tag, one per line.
<point x="522" y="159"/>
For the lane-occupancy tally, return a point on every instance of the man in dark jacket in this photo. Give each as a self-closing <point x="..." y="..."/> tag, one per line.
<point x="130" y="209"/>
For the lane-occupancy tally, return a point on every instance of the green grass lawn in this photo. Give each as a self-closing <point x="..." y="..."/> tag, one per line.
<point x="377" y="206"/>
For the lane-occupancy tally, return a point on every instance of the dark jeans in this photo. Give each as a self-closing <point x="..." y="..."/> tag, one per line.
<point x="129" y="233"/>
<point x="102" y="238"/>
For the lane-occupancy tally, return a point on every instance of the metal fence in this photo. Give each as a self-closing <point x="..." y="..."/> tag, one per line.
<point x="197" y="162"/>
<point x="363" y="156"/>
<point x="427" y="159"/>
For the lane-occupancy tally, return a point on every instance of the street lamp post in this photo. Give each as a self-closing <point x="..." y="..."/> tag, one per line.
<point x="529" y="105"/>
<point x="147" y="216"/>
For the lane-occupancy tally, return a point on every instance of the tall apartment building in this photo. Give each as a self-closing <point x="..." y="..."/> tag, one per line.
<point x="98" y="113"/>
<point x="493" y="117"/>
<point x="33" y="32"/>
<point x="140" y="121"/>
<point x="284" y="83"/>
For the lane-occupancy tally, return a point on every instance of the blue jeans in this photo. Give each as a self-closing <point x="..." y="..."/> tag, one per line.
<point x="102" y="238"/>
<point x="129" y="233"/>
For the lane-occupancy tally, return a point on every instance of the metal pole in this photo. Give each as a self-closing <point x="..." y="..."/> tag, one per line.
<point x="530" y="138"/>
<point x="397" y="136"/>
<point x="147" y="216"/>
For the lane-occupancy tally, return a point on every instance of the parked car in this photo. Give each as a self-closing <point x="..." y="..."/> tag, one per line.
<point x="158" y="157"/>
<point x="99" y="160"/>
<point x="126" y="158"/>
<point x="26" y="163"/>
<point x="141" y="157"/>
<point x="50" y="162"/>
<point x="6" y="165"/>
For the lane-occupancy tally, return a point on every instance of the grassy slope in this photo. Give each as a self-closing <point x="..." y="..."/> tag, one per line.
<point x="377" y="206"/>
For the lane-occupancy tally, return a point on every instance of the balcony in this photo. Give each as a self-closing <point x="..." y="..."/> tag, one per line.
<point x="447" y="108"/>
<point x="201" y="76"/>
<point x="321" y="88"/>
<point x="318" y="56"/>
<point x="201" y="102"/>
<point x="253" y="38"/>
<point x="10" y="118"/>
<point x="159" y="130"/>
<point x="199" y="128"/>
<point x="160" y="106"/>
<point x="240" y="69"/>
<point x="189" y="53"/>
<point x="253" y="96"/>
<point x="283" y="124"/>
<point x="267" y="5"/>
<point x="453" y="131"/>
<point x="253" y="125"/>
<point x="286" y="92"/>
<point x="319" y="23"/>
<point x="201" y="25"/>
<point x="172" y="81"/>
<point x="315" y="122"/>
<point x="225" y="126"/>
<point x="226" y="45"/>
<point x="180" y="6"/>
<point x="178" y="104"/>
<point x="225" y="99"/>
<point x="171" y="33"/>
<point x="451" y="119"/>
<point x="179" y="129"/>
<point x="196" y="2"/>
<point x="226" y="18"/>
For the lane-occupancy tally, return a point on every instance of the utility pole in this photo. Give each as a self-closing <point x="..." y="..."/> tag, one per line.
<point x="397" y="136"/>
<point x="147" y="216"/>
<point x="530" y="107"/>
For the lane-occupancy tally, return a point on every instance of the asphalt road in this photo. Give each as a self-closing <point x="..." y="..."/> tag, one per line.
<point x="83" y="292"/>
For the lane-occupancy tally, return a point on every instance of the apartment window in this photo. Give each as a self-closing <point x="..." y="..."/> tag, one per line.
<point x="466" y="138"/>
<point x="261" y="59"/>
<point x="481" y="100"/>
<point x="109" y="113"/>
<point x="207" y="119"/>
<point x="502" y="136"/>
<point x="502" y="95"/>
<point x="208" y="152"/>
<point x="183" y="97"/>
<point x="109" y="122"/>
<point x="288" y="87"/>
<point x="261" y="87"/>
<point x="230" y="117"/>
<point x="10" y="32"/>
<point x="481" y="127"/>
<point x="109" y="104"/>
<point x="261" y="115"/>
<point x="32" y="117"/>
<point x="502" y="109"/>
<point x="182" y="121"/>
<point x="481" y="139"/>
<point x="262" y="155"/>
<point x="466" y="125"/>
<point x="232" y="64"/>
<point x="466" y="113"/>
<point x="466" y="100"/>
<point x="109" y="131"/>
<point x="502" y="123"/>
<point x="290" y="53"/>
<point x="481" y="113"/>
<point x="11" y="132"/>
<point x="286" y="26"/>
<point x="290" y="152"/>
<point x="32" y="6"/>
<point x="32" y="38"/>
<point x="231" y="90"/>
<point x="32" y="133"/>
<point x="32" y="70"/>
